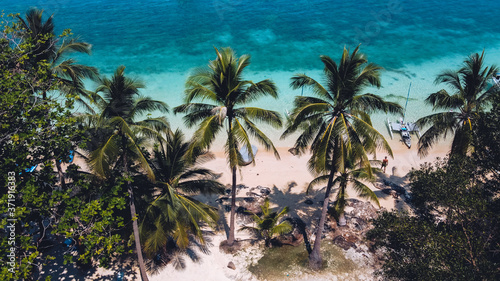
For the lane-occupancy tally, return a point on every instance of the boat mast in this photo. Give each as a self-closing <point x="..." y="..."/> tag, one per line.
<point x="407" y="97"/>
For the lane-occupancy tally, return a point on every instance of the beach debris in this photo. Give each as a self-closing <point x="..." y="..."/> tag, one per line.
<point x="249" y="199"/>
<point x="401" y="191"/>
<point x="294" y="238"/>
<point x="231" y="265"/>
<point x="221" y="200"/>
<point x="308" y="202"/>
<point x="241" y="210"/>
<point x="252" y="194"/>
<point x="343" y="243"/>
<point x="232" y="249"/>
<point x="265" y="191"/>
<point x="391" y="192"/>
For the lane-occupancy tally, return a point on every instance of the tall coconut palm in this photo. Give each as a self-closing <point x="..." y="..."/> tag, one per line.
<point x="174" y="213"/>
<point x="120" y="106"/>
<point x="337" y="117"/>
<point x="470" y="96"/>
<point x="222" y="84"/>
<point x="350" y="173"/>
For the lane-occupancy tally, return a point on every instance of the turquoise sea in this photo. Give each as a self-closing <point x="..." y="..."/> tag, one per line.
<point x="160" y="41"/>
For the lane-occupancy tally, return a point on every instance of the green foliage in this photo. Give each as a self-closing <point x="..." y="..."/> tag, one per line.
<point x="38" y="127"/>
<point x="223" y="86"/>
<point x="173" y="215"/>
<point x="92" y="218"/>
<point x="337" y="114"/>
<point x="350" y="175"/>
<point x="471" y="95"/>
<point x="34" y="130"/>
<point x="335" y="122"/>
<point x="487" y="138"/>
<point x="455" y="232"/>
<point x="267" y="224"/>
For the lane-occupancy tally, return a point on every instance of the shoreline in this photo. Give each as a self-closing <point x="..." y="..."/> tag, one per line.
<point x="290" y="174"/>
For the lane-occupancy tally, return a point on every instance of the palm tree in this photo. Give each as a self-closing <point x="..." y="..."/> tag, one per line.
<point x="222" y="84"/>
<point x="48" y="48"/>
<point x="120" y="106"/>
<point x="351" y="171"/>
<point x="173" y="214"/>
<point x="267" y="224"/>
<point x="337" y="118"/>
<point x="470" y="96"/>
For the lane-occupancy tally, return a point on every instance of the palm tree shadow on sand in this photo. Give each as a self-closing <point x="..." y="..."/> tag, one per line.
<point x="393" y="186"/>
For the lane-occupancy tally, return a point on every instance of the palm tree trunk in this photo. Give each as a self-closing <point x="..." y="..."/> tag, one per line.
<point x="135" y="226"/>
<point x="60" y="173"/>
<point x="315" y="260"/>
<point x="230" y="240"/>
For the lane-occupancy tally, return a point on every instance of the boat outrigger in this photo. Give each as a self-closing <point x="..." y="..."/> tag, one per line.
<point x="496" y="79"/>
<point x="405" y="128"/>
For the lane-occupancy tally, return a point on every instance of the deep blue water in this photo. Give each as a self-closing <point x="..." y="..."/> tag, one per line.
<point x="161" y="40"/>
<point x="154" y="36"/>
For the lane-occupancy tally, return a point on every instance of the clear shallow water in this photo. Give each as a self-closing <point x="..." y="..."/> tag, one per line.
<point x="160" y="41"/>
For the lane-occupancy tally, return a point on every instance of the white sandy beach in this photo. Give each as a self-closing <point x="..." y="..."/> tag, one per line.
<point x="287" y="178"/>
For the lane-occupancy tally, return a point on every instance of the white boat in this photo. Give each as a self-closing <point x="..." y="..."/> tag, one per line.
<point x="404" y="128"/>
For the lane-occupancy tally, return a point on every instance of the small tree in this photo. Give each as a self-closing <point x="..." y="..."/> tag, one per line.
<point x="267" y="223"/>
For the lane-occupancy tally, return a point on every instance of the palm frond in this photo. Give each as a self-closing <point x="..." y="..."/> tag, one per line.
<point x="242" y="138"/>
<point x="443" y="100"/>
<point x="365" y="192"/>
<point x="270" y="117"/>
<point x="261" y="137"/>
<point x="257" y="90"/>
<point x="102" y="158"/>
<point x="302" y="80"/>
<point x="370" y="103"/>
<point x="203" y="186"/>
<point x="146" y="105"/>
<point x="316" y="181"/>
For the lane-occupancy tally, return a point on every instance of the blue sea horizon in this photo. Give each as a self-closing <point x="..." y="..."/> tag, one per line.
<point x="160" y="42"/>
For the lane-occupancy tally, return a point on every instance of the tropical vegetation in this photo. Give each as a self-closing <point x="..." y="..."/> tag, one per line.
<point x="353" y="174"/>
<point x="142" y="185"/>
<point x="267" y="223"/>
<point x="173" y="221"/>
<point x="337" y="118"/>
<point x="460" y="109"/>
<point x="223" y="85"/>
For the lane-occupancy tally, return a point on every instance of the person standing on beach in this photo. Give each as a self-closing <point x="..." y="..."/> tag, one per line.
<point x="385" y="162"/>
